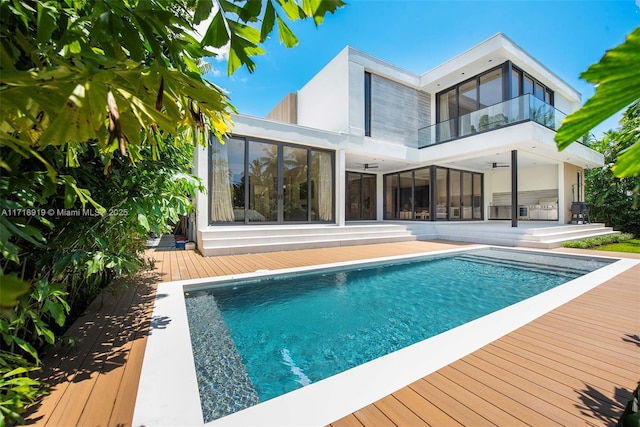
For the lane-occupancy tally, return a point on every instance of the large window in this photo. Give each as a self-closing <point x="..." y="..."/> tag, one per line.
<point x="433" y="193"/>
<point x="258" y="181"/>
<point x="522" y="83"/>
<point x="465" y="108"/>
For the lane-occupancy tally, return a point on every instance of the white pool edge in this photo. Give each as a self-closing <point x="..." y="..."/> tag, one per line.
<point x="168" y="391"/>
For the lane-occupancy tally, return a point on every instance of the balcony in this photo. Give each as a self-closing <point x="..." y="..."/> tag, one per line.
<point x="517" y="110"/>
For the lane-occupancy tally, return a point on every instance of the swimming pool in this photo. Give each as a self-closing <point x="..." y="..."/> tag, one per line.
<point x="254" y="340"/>
<point x="168" y="388"/>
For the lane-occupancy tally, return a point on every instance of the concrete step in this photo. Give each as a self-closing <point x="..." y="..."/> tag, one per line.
<point x="290" y="246"/>
<point x="254" y="239"/>
<point x="277" y="238"/>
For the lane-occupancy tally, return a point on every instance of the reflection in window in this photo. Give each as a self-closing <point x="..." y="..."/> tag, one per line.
<point x="527" y="85"/>
<point x="442" y="211"/>
<point x="491" y="88"/>
<point x="468" y="98"/>
<point x="361" y="196"/>
<point x="391" y="196"/>
<point x="367" y="104"/>
<point x="454" y="194"/>
<point x="263" y="182"/>
<point x="295" y="186"/>
<point x="467" y="195"/>
<point x="457" y="194"/>
<point x="422" y="193"/>
<point x="477" y="196"/>
<point x="406" y="195"/>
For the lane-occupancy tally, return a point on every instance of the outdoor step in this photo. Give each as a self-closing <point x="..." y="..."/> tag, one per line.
<point x="294" y="230"/>
<point x="289" y="239"/>
<point x="569" y="234"/>
<point x="284" y="246"/>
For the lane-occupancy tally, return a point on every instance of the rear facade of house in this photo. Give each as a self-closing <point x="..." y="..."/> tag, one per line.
<point x="366" y="141"/>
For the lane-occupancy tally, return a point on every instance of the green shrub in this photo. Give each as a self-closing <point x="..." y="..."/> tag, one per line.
<point x="592" y="242"/>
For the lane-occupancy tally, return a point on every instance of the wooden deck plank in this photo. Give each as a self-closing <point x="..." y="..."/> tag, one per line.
<point x="98" y="360"/>
<point x="374" y="417"/>
<point x="348" y="421"/>
<point x="422" y="407"/>
<point x="398" y="413"/>
<point x="573" y="366"/>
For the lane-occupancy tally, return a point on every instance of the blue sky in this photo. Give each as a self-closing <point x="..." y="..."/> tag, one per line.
<point x="566" y="36"/>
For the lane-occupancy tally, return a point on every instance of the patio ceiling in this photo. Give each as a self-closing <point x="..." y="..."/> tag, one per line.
<point x="479" y="163"/>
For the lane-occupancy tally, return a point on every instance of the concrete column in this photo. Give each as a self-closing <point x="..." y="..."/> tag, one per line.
<point x="341" y="187"/>
<point x="514" y="188"/>
<point x="379" y="197"/>
<point x="562" y="201"/>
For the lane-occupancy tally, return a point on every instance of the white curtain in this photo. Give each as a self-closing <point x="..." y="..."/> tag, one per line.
<point x="221" y="201"/>
<point x="325" y="188"/>
<point x="444" y="128"/>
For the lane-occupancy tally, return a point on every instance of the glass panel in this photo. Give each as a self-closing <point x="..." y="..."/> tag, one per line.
<point x="421" y="193"/>
<point x="527" y="85"/>
<point x="548" y="97"/>
<point x="491" y="88"/>
<point x="543" y="113"/>
<point x="227" y="181"/>
<point x="406" y="195"/>
<point x="468" y="99"/>
<point x="448" y="113"/>
<point x="516" y="76"/>
<point x="368" y="197"/>
<point x="391" y="196"/>
<point x="295" y="188"/>
<point x="454" y="194"/>
<point x="321" y="186"/>
<point x="354" y="195"/>
<point x="467" y="103"/>
<point x="441" y="194"/>
<point x="467" y="195"/>
<point x="477" y="196"/>
<point x="263" y="181"/>
<point x="538" y="91"/>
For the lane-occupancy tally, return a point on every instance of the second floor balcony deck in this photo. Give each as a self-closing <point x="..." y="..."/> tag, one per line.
<point x="517" y="110"/>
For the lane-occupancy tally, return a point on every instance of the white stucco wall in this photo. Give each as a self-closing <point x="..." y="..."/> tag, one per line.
<point x="323" y="103"/>
<point x="565" y="105"/>
<point x="533" y="178"/>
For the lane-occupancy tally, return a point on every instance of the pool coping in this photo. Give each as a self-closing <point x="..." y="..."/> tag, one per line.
<point x="168" y="391"/>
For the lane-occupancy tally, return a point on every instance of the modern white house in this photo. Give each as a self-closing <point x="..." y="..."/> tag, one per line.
<point x="368" y="152"/>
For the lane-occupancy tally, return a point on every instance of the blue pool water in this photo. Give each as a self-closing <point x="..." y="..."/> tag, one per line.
<point x="280" y="334"/>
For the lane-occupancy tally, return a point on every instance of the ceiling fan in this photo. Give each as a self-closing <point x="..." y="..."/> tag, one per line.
<point x="495" y="165"/>
<point x="367" y="166"/>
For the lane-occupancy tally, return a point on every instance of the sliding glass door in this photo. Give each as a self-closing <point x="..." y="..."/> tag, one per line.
<point x="361" y="196"/>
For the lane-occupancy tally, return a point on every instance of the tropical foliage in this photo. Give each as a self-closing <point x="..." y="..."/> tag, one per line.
<point x="617" y="86"/>
<point x="613" y="200"/>
<point x="101" y="104"/>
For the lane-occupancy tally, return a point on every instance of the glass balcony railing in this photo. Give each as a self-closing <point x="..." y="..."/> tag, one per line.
<point x="524" y="108"/>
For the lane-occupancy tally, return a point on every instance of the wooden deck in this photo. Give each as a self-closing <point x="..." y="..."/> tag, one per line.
<point x="574" y="366"/>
